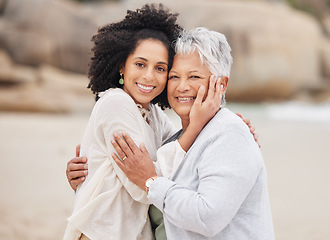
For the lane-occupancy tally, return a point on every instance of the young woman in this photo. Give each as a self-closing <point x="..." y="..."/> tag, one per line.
<point x="128" y="73"/>
<point x="219" y="190"/>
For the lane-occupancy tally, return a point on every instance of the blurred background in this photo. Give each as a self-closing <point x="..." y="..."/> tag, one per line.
<point x="280" y="80"/>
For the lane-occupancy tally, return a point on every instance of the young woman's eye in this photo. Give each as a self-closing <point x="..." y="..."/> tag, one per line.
<point x="161" y="69"/>
<point x="139" y="64"/>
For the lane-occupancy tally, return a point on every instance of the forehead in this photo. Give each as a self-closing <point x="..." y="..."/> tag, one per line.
<point x="151" y="47"/>
<point x="191" y="62"/>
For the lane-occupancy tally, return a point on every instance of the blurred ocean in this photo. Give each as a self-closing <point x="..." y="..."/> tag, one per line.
<point x="286" y="111"/>
<point x="291" y="111"/>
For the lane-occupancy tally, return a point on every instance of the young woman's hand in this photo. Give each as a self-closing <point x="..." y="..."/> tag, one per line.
<point x="77" y="170"/>
<point x="251" y="127"/>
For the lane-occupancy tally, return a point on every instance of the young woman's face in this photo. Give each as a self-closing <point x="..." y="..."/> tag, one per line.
<point x="185" y="78"/>
<point x="145" y="71"/>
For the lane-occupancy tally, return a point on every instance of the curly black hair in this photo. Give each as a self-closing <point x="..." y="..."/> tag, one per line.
<point x="114" y="42"/>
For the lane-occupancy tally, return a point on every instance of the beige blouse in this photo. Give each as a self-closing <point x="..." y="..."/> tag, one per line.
<point x="107" y="204"/>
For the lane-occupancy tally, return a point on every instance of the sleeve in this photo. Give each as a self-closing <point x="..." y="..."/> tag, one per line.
<point x="169" y="157"/>
<point x="117" y="113"/>
<point x="227" y="172"/>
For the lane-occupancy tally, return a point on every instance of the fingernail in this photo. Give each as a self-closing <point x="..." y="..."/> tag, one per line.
<point x="123" y="133"/>
<point x="85" y="166"/>
<point x="85" y="172"/>
<point x="115" y="134"/>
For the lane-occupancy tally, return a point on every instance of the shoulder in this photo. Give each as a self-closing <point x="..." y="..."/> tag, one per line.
<point x="115" y="102"/>
<point x="115" y="95"/>
<point x="115" y="98"/>
<point x="226" y="120"/>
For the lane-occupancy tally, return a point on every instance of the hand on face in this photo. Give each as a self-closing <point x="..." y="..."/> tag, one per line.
<point x="203" y="110"/>
<point x="186" y="77"/>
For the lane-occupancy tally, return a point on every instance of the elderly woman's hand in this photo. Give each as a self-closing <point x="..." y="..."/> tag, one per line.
<point x="76" y="170"/>
<point x="135" y="162"/>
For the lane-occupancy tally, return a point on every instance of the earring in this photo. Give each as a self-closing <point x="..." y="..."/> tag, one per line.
<point x="121" y="80"/>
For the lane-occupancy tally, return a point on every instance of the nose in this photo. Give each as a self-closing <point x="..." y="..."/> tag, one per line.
<point x="183" y="85"/>
<point x="149" y="74"/>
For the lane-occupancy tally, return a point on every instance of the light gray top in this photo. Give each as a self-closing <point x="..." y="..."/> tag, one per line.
<point x="220" y="189"/>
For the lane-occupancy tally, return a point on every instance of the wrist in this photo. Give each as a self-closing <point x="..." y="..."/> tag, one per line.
<point x="149" y="182"/>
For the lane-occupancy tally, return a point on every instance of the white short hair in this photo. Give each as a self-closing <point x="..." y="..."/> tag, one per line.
<point x="211" y="46"/>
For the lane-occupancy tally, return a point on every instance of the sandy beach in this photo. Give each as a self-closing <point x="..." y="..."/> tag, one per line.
<point x="36" y="198"/>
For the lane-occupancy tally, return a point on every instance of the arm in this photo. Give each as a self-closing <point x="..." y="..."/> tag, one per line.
<point x="76" y="170"/>
<point x="227" y="172"/>
<point x="221" y="190"/>
<point x="118" y="112"/>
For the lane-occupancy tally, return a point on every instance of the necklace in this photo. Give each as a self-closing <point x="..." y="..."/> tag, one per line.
<point x="144" y="112"/>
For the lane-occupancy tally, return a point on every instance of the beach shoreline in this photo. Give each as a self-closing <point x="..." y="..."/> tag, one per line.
<point x="36" y="198"/>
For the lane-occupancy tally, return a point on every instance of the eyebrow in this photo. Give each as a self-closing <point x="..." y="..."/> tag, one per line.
<point x="190" y="72"/>
<point x="144" y="59"/>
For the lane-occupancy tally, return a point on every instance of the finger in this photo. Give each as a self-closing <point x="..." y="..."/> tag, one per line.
<point x="134" y="148"/>
<point x="240" y="115"/>
<point x="256" y="137"/>
<point x="219" y="89"/>
<point x="74" y="183"/>
<point x="78" y="150"/>
<point x="77" y="167"/>
<point x="200" y="95"/>
<point x="252" y="129"/>
<point x="118" y="149"/>
<point x="77" y="160"/>
<point x="120" y="164"/>
<point x="211" y="90"/>
<point x="122" y="144"/>
<point x="247" y="121"/>
<point x="143" y="148"/>
<point x="77" y="174"/>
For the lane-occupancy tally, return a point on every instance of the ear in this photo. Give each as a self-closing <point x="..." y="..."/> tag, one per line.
<point x="121" y="70"/>
<point x="224" y="82"/>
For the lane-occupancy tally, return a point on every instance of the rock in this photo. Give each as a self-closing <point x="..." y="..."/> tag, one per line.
<point x="48" y="90"/>
<point x="13" y="74"/>
<point x="54" y="32"/>
<point x="279" y="53"/>
<point x="326" y="59"/>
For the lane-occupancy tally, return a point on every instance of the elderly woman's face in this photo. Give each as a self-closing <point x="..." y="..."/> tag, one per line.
<point x="185" y="78"/>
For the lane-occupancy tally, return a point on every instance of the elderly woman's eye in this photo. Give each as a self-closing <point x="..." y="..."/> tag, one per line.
<point x="194" y="76"/>
<point x="172" y="77"/>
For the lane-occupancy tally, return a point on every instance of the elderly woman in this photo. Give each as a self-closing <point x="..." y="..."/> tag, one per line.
<point x="219" y="190"/>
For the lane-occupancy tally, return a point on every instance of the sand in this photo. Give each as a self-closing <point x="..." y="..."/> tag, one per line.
<point x="36" y="198"/>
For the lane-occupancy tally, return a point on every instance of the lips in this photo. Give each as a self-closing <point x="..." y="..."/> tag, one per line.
<point x="145" y="88"/>
<point x="185" y="99"/>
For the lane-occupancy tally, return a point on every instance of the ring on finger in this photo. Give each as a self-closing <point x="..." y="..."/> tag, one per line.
<point x="123" y="159"/>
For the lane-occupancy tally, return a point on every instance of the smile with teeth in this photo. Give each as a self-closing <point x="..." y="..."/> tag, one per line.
<point x="185" y="99"/>
<point x="145" y="88"/>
